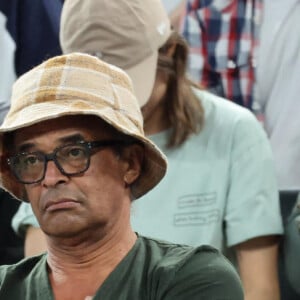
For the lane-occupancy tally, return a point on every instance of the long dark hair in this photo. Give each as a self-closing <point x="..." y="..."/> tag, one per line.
<point x="185" y="111"/>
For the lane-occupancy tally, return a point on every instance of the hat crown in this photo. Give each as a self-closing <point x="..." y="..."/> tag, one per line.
<point x="123" y="32"/>
<point x="78" y="81"/>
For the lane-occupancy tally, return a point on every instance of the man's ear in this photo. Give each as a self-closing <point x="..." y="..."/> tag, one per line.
<point x="133" y="155"/>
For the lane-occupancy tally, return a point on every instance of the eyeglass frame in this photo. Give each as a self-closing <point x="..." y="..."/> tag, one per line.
<point x="89" y="146"/>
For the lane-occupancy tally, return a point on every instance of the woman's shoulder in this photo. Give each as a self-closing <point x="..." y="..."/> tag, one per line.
<point x="222" y="106"/>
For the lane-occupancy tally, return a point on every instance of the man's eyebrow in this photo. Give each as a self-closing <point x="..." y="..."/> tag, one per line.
<point x="74" y="138"/>
<point x="25" y="147"/>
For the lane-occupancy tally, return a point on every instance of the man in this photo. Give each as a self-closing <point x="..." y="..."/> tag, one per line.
<point x="73" y="146"/>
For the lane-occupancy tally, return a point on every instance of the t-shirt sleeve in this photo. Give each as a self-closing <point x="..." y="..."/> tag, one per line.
<point x="252" y="208"/>
<point x="205" y="275"/>
<point x="23" y="218"/>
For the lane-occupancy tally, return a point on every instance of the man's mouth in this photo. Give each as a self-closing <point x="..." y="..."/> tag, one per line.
<point x="62" y="204"/>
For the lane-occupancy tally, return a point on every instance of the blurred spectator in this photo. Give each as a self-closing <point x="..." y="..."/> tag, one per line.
<point x="277" y="99"/>
<point x="7" y="52"/>
<point x="222" y="36"/>
<point x="28" y="35"/>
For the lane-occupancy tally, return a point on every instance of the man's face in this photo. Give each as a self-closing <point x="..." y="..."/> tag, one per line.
<point x="97" y="199"/>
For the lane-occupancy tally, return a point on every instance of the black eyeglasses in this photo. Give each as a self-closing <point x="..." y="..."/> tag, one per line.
<point x="71" y="160"/>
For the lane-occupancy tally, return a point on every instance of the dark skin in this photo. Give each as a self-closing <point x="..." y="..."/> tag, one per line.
<point x="86" y="218"/>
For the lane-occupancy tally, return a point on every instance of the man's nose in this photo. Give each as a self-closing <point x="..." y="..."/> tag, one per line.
<point x="53" y="175"/>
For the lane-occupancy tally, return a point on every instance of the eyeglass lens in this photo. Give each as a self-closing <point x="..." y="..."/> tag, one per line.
<point x="70" y="160"/>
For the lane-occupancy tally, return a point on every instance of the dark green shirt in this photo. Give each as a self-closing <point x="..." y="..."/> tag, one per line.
<point x="152" y="270"/>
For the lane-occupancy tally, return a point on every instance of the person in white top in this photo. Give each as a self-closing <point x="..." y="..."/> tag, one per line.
<point x="278" y="87"/>
<point x="277" y="100"/>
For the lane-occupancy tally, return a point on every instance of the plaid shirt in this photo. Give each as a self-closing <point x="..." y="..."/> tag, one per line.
<point x="222" y="35"/>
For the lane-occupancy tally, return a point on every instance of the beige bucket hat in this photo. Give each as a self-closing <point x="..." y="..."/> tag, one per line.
<point x="79" y="84"/>
<point x="125" y="33"/>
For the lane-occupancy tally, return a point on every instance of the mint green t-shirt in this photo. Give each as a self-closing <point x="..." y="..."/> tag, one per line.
<point x="220" y="187"/>
<point x="152" y="270"/>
